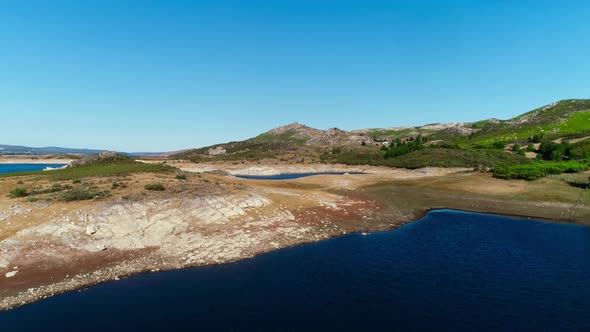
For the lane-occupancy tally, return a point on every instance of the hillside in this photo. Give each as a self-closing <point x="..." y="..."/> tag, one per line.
<point x="563" y="119"/>
<point x="486" y="143"/>
<point x="26" y="150"/>
<point x="54" y="150"/>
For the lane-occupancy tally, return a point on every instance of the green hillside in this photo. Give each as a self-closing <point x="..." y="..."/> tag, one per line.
<point x="564" y="119"/>
<point x="540" y="142"/>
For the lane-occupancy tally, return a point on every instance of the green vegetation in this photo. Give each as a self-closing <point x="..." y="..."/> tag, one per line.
<point x="58" y="192"/>
<point x="400" y="148"/>
<point x="376" y="133"/>
<point x="288" y="136"/>
<point x="545" y="124"/>
<point x="155" y="187"/>
<point x="538" y="170"/>
<point x="19" y="192"/>
<point x="181" y="176"/>
<point x="81" y="194"/>
<point x="53" y="189"/>
<point x="435" y="157"/>
<point x="74" y="173"/>
<point x="488" y="144"/>
<point x="564" y="150"/>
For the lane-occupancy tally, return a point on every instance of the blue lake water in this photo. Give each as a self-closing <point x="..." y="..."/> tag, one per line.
<point x="289" y="176"/>
<point x="13" y="168"/>
<point x="450" y="271"/>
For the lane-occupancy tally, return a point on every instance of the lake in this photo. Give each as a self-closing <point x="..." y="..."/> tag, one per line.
<point x="450" y="271"/>
<point x="290" y="176"/>
<point x="13" y="168"/>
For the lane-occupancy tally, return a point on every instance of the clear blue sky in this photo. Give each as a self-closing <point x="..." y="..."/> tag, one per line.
<point x="165" y="75"/>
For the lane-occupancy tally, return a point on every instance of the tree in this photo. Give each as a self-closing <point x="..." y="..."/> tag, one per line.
<point x="556" y="155"/>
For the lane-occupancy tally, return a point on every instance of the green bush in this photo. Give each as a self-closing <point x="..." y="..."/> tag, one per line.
<point x="538" y="170"/>
<point x="181" y="176"/>
<point x="53" y="189"/>
<point x="155" y="187"/>
<point x="499" y="145"/>
<point x="19" y="192"/>
<point x="81" y="194"/>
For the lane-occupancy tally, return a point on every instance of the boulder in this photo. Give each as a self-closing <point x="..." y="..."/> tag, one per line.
<point x="91" y="229"/>
<point x="11" y="274"/>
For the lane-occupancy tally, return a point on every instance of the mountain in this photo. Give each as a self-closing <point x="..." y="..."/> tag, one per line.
<point x="53" y="150"/>
<point x="25" y="150"/>
<point x="477" y="141"/>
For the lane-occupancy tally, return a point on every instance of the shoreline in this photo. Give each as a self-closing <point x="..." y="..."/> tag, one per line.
<point x="33" y="161"/>
<point x="209" y="218"/>
<point x="126" y="271"/>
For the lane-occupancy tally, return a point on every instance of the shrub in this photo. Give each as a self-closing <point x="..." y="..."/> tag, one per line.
<point x="515" y="147"/>
<point x="530" y="148"/>
<point x="76" y="181"/>
<point x="81" y="194"/>
<point x="155" y="187"/>
<point x="181" y="176"/>
<point x="538" y="170"/>
<point x="19" y="192"/>
<point x="499" y="145"/>
<point x="53" y="189"/>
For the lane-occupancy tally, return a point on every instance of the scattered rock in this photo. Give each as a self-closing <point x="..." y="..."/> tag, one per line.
<point x="3" y="263"/>
<point x="91" y="229"/>
<point x="218" y="151"/>
<point x="11" y="274"/>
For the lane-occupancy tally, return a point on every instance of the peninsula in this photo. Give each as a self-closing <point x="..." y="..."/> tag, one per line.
<point x="108" y="216"/>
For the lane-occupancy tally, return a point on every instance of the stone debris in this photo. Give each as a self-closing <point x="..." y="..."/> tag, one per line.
<point x="91" y="229"/>
<point x="11" y="274"/>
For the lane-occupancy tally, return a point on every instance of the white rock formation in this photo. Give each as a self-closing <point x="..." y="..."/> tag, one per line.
<point x="11" y="274"/>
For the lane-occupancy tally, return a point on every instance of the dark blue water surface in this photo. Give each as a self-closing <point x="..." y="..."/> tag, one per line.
<point x="451" y="271"/>
<point x="290" y="176"/>
<point x="13" y="168"/>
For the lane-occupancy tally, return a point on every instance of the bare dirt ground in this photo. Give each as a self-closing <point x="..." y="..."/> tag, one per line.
<point x="49" y="247"/>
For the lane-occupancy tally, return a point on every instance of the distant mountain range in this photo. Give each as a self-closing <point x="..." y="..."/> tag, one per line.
<point x="54" y="150"/>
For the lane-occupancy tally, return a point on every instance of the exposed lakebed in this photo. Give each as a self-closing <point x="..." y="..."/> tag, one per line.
<point x="451" y="271"/>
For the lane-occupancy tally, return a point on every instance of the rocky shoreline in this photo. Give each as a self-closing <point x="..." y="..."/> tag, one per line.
<point x="213" y="219"/>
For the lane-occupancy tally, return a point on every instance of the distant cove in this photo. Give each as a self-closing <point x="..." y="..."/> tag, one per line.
<point x="14" y="168"/>
<point x="450" y="271"/>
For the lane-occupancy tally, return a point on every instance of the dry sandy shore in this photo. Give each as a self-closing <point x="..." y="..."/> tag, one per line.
<point x="50" y="247"/>
<point x="33" y="160"/>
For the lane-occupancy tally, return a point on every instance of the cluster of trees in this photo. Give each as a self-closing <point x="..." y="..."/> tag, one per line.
<point x="564" y="151"/>
<point x="535" y="171"/>
<point x="399" y="147"/>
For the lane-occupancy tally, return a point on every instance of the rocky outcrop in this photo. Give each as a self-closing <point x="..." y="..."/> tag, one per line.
<point x="11" y="274"/>
<point x="101" y="157"/>
<point x="218" y="151"/>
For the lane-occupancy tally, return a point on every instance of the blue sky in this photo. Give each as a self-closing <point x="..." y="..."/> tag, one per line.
<point x="167" y="75"/>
